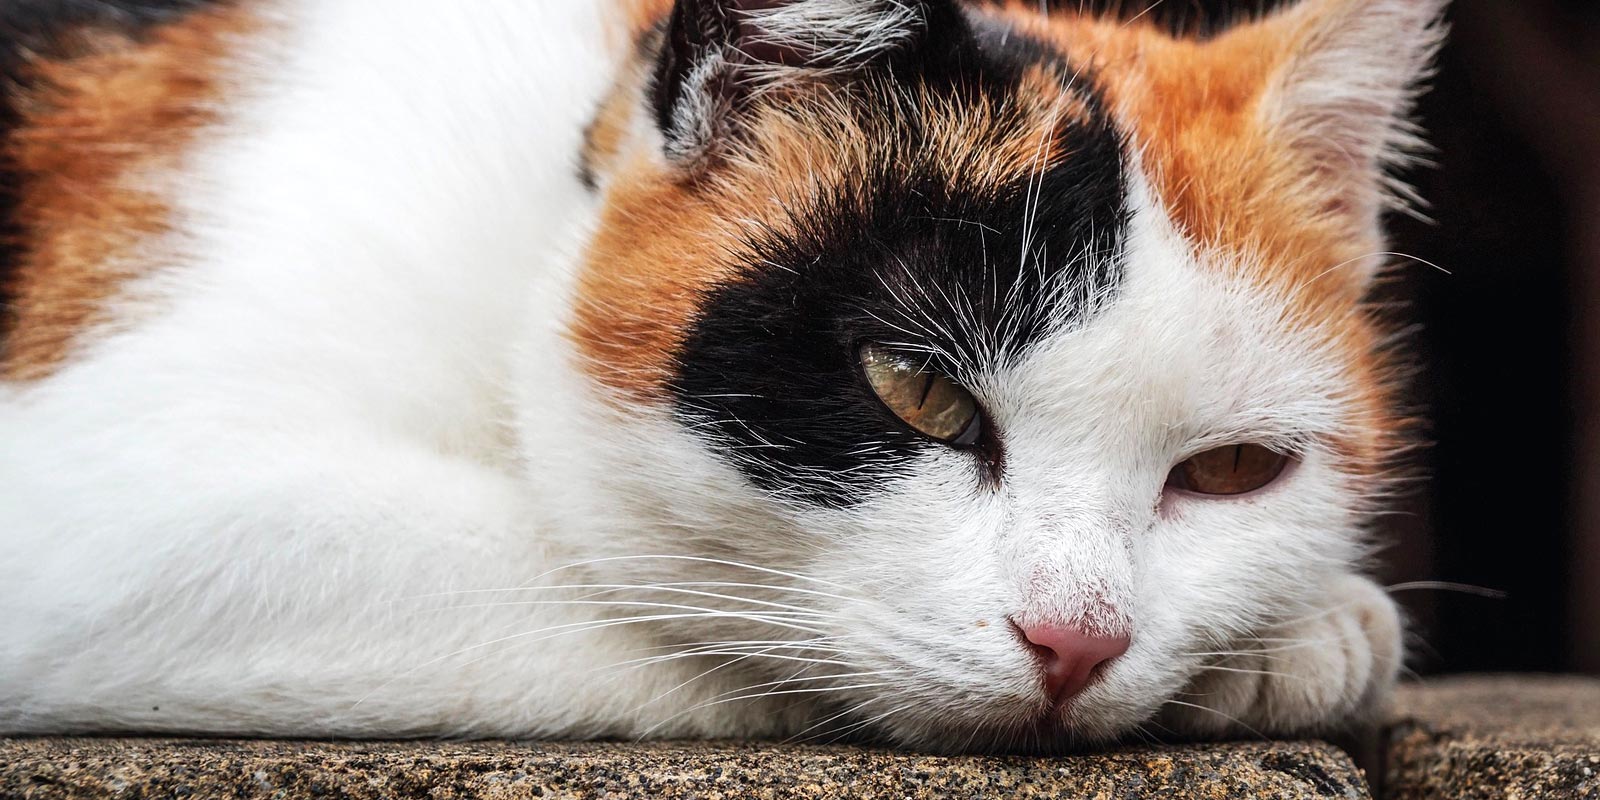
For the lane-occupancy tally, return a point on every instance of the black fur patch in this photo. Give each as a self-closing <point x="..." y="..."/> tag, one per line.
<point x="38" y="29"/>
<point x="903" y="255"/>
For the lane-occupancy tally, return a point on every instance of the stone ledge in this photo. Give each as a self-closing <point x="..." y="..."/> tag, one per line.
<point x="1522" y="736"/>
<point x="1530" y="737"/>
<point x="105" y="768"/>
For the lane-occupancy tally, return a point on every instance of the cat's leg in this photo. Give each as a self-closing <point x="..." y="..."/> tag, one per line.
<point x="1328" y="669"/>
<point x="255" y="588"/>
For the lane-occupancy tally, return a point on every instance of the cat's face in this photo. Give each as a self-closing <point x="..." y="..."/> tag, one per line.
<point x="999" y="329"/>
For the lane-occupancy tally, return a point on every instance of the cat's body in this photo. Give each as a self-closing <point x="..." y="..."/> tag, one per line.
<point x="342" y="335"/>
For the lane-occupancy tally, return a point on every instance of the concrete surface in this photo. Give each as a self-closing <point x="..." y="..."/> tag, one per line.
<point x="106" y="768"/>
<point x="1516" y="737"/>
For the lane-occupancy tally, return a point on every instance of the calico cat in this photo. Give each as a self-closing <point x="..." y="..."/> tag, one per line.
<point x="953" y="375"/>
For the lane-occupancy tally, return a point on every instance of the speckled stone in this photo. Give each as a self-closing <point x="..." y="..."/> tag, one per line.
<point x="1522" y="737"/>
<point x="150" y="768"/>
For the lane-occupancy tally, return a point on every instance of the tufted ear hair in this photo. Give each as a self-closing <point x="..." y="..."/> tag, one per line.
<point x="1342" y="97"/>
<point x="719" y="57"/>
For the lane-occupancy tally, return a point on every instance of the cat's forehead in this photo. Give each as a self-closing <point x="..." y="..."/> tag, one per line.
<point x="984" y="197"/>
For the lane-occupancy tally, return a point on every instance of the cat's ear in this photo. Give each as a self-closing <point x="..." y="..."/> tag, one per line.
<point x="720" y="57"/>
<point x="1342" y="95"/>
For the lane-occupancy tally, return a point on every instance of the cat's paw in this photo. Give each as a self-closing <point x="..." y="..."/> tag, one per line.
<point x="1328" y="669"/>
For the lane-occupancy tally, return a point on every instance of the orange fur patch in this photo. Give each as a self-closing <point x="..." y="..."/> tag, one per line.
<point x="639" y="16"/>
<point x="95" y="128"/>
<point x="640" y="288"/>
<point x="608" y="131"/>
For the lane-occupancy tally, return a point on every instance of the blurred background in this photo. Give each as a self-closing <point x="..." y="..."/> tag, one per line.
<point x="1508" y="340"/>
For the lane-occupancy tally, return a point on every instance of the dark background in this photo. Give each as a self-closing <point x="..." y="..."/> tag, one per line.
<point x="1504" y="339"/>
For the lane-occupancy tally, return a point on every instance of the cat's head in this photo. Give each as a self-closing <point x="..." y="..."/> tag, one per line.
<point x="1008" y="331"/>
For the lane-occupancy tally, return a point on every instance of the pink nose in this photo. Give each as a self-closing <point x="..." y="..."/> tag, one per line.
<point x="1070" y="656"/>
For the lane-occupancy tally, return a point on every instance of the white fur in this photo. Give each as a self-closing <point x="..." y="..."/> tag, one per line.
<point x="333" y="484"/>
<point x="838" y="31"/>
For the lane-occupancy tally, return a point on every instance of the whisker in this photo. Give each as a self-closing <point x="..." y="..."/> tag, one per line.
<point x="1263" y="672"/>
<point x="585" y="599"/>
<point x="1348" y="262"/>
<point x="1296" y="644"/>
<point x="698" y="559"/>
<point x="1320" y="613"/>
<point x="794" y="677"/>
<point x="622" y="586"/>
<point x="770" y="693"/>
<point x="585" y="626"/>
<point x="759" y="642"/>
<point x="721" y="666"/>
<point x="1447" y="586"/>
<point x="847" y="712"/>
<point x="742" y="655"/>
<point x="766" y="615"/>
<point x="847" y="730"/>
<point x="1228" y="717"/>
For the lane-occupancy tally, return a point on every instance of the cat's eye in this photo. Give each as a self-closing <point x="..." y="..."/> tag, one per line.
<point x="1235" y="469"/>
<point x="931" y="403"/>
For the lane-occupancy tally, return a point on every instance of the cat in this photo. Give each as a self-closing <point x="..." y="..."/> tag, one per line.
<point x="951" y="375"/>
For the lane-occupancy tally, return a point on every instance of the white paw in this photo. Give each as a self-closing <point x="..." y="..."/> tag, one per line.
<point x="1324" y="670"/>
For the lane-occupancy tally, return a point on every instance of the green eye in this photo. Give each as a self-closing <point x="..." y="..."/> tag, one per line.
<point x="931" y="403"/>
